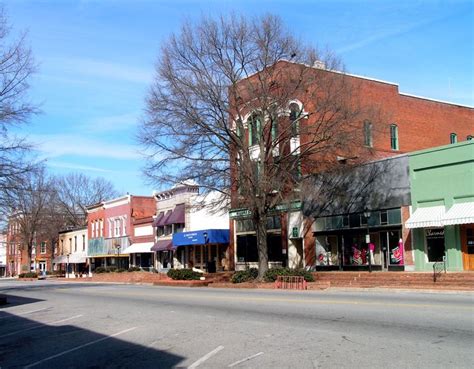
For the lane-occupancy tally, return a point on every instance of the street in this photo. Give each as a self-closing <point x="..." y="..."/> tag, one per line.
<point x="50" y="324"/>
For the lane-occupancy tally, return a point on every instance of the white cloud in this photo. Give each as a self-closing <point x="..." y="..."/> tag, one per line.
<point x="112" y="123"/>
<point x="66" y="165"/>
<point x="100" y="69"/>
<point x="57" y="145"/>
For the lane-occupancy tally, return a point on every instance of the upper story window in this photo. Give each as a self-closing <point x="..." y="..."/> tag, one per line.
<point x="295" y="113"/>
<point x="469" y="137"/>
<point x="75" y="243"/>
<point x="255" y="126"/>
<point x="83" y="242"/>
<point x="394" y="137"/>
<point x="368" y="134"/>
<point x="62" y="247"/>
<point x="117" y="227"/>
<point x="43" y="248"/>
<point x="453" y="138"/>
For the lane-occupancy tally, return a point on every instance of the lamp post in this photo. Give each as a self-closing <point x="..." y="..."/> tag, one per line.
<point x="117" y="247"/>
<point x="367" y="237"/>
<point x="67" y="265"/>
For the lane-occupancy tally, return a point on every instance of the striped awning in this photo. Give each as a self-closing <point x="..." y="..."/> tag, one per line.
<point x="462" y="213"/>
<point x="426" y="217"/>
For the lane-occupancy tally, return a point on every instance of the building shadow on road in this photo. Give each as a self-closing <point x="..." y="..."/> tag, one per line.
<point x="13" y="300"/>
<point x="26" y="343"/>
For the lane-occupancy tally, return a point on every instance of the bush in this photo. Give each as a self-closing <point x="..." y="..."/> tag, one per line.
<point x="134" y="269"/>
<point x="244" y="275"/>
<point x="28" y="275"/>
<point x="272" y="274"/>
<point x="183" y="274"/>
<point x="121" y="270"/>
<point x="112" y="269"/>
<point x="100" y="270"/>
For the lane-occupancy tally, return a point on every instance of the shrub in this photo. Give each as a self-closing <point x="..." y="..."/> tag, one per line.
<point x="244" y="275"/>
<point x="134" y="269"/>
<point x="121" y="270"/>
<point x="99" y="270"/>
<point x="28" y="275"/>
<point x="272" y="274"/>
<point x="183" y="274"/>
<point x="111" y="269"/>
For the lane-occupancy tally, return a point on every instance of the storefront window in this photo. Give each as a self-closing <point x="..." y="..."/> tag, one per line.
<point x="435" y="244"/>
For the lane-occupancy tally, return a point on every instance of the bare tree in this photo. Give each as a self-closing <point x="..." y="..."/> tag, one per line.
<point x="76" y="191"/>
<point x="27" y="203"/>
<point x="16" y="68"/>
<point x="225" y="110"/>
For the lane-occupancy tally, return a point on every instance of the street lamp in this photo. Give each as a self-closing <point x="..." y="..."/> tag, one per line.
<point x="117" y="247"/>
<point x="367" y="237"/>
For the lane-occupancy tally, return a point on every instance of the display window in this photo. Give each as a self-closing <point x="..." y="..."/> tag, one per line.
<point x="435" y="244"/>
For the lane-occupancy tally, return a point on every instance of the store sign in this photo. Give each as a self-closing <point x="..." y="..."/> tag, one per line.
<point x="434" y="233"/>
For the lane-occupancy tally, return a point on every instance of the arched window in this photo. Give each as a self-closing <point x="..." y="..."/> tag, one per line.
<point x="453" y="138"/>
<point x="469" y="137"/>
<point x="367" y="133"/>
<point x="295" y="115"/>
<point x="255" y="126"/>
<point x="394" y="137"/>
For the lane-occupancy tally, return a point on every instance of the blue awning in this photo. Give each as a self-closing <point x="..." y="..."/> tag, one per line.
<point x="202" y="237"/>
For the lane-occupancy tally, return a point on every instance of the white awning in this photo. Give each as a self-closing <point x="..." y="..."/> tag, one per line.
<point x="426" y="217"/>
<point x="73" y="259"/>
<point x="460" y="214"/>
<point x="138" y="248"/>
<point x="61" y="259"/>
<point x="77" y="258"/>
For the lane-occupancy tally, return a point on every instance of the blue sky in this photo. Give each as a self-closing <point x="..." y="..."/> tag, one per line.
<point x="96" y="63"/>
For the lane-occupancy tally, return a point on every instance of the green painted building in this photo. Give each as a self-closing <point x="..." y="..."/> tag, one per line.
<point x="442" y="216"/>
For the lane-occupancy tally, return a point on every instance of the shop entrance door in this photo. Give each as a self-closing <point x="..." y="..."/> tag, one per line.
<point x="467" y="242"/>
<point x="384" y="251"/>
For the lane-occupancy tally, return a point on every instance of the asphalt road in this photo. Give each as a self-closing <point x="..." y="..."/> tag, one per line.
<point x="84" y="325"/>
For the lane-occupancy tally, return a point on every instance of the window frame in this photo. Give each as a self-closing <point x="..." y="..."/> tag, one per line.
<point x="394" y="140"/>
<point x="453" y="138"/>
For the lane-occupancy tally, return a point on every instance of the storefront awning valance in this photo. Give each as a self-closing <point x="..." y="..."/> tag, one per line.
<point x="426" y="217"/>
<point x="462" y="213"/>
<point x="177" y="216"/>
<point x="201" y="237"/>
<point x="139" y="248"/>
<point x="163" y="245"/>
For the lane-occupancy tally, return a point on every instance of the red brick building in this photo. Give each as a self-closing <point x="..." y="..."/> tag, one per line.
<point x="17" y="252"/>
<point x="111" y="228"/>
<point x="403" y="123"/>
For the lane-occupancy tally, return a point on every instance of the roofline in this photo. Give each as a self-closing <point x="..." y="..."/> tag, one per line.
<point x="373" y="80"/>
<point x="436" y="100"/>
<point x="440" y="148"/>
<point x="73" y="230"/>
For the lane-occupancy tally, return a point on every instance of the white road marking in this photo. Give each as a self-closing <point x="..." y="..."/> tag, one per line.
<point x="24" y="313"/>
<point x="79" y="347"/>
<point x="205" y="357"/>
<point x="246" y="359"/>
<point x="38" y="325"/>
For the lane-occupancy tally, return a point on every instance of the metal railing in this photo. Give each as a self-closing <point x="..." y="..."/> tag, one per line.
<point x="291" y="282"/>
<point x="438" y="268"/>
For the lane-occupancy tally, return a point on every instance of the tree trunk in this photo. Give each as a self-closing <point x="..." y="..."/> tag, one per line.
<point x="261" y="233"/>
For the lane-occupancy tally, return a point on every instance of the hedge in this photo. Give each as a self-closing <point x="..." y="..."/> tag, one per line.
<point x="244" y="275"/>
<point x="272" y="274"/>
<point x="183" y="274"/>
<point x="28" y="275"/>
